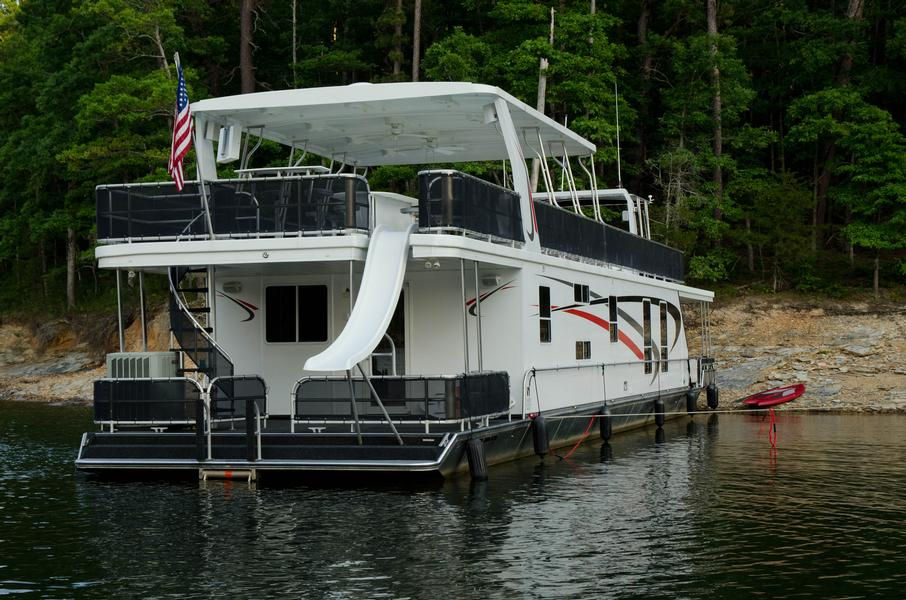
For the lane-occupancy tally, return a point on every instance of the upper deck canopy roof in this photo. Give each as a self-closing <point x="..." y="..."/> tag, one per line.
<point x="393" y="123"/>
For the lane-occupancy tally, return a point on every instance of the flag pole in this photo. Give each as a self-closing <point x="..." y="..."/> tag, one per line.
<point x="201" y="186"/>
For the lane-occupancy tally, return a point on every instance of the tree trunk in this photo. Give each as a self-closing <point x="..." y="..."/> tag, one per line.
<point x="161" y="54"/>
<point x="540" y="101"/>
<point x="42" y="255"/>
<point x="416" y="38"/>
<point x="397" y="40"/>
<point x="750" y="249"/>
<point x="70" y="268"/>
<point x="647" y="63"/>
<point x="246" y="65"/>
<point x="295" y="44"/>
<point x="877" y="277"/>
<point x="716" y="109"/>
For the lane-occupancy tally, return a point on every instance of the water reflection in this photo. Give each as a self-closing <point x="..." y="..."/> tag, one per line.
<point x="703" y="508"/>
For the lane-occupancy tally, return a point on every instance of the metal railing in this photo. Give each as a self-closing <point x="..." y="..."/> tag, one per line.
<point x="238" y="208"/>
<point x="147" y="402"/>
<point x="409" y="399"/>
<point x="564" y="231"/>
<point x="530" y="377"/>
<point x="452" y="200"/>
<point x="238" y="397"/>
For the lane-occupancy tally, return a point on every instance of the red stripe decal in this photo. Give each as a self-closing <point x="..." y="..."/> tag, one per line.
<point x="602" y="323"/>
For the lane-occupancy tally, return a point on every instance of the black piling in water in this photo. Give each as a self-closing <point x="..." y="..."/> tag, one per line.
<point x="692" y="400"/>
<point x="605" y="424"/>
<point x="478" y="467"/>
<point x="659" y="412"/>
<point x="539" y="435"/>
<point x="713" y="396"/>
<point x="606" y="452"/>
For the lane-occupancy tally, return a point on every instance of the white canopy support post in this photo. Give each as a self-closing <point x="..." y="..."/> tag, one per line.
<point x="567" y="172"/>
<point x="546" y="172"/>
<point x="141" y="303"/>
<point x="246" y="153"/>
<point x="539" y="157"/>
<point x="119" y="313"/>
<point x="301" y="156"/>
<point x="592" y="180"/>
<point x="519" y="170"/>
<point x="205" y="169"/>
<point x="630" y="216"/>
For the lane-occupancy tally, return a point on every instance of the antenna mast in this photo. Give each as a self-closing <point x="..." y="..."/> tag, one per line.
<point x="616" y="102"/>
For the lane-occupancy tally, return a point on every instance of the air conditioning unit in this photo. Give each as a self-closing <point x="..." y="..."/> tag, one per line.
<point x="134" y="365"/>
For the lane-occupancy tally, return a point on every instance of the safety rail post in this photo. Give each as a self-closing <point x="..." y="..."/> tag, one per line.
<point x="250" y="423"/>
<point x="202" y="450"/>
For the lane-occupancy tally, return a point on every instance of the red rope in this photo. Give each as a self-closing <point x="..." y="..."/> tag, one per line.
<point x="581" y="439"/>
<point x="772" y="430"/>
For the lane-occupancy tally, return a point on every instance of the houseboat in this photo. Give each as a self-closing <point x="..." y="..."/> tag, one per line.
<point x="321" y="325"/>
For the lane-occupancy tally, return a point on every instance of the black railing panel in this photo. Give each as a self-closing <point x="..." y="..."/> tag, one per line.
<point x="568" y="232"/>
<point x="146" y="400"/>
<point x="238" y="207"/>
<point x="235" y="397"/>
<point x="453" y="199"/>
<point x="150" y="210"/>
<point x="406" y="397"/>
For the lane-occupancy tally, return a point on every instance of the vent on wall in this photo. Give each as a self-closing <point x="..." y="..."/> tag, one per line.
<point x="141" y="365"/>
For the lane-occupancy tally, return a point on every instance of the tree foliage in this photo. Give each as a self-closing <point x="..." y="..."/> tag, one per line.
<point x="813" y="160"/>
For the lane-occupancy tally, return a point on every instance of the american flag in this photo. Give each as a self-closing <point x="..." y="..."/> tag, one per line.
<point x="182" y="131"/>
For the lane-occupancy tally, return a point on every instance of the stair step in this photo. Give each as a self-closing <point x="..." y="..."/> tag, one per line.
<point x="207" y="329"/>
<point x="195" y="290"/>
<point x="199" y="309"/>
<point x="206" y="371"/>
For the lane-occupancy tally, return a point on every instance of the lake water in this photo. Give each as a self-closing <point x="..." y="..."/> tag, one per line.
<point x="710" y="511"/>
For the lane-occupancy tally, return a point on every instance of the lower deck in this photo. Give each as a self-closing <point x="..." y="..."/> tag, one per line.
<point x="280" y="446"/>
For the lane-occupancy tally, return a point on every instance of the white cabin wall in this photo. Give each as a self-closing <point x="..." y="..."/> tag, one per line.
<point x="434" y="328"/>
<point x="279" y="364"/>
<point x="574" y="386"/>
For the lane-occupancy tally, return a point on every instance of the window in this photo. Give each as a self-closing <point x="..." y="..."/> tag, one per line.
<point x="583" y="350"/>
<point x="646" y="333"/>
<point x="663" y="337"/>
<point x="544" y="313"/>
<point x="580" y="293"/>
<point x="612" y="319"/>
<point x="280" y="313"/>
<point x="295" y="313"/>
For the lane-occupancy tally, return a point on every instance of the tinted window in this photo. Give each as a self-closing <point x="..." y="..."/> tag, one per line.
<point x="280" y="313"/>
<point x="312" y="313"/>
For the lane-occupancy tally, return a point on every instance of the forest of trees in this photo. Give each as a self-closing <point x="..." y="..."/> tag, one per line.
<point x="770" y="132"/>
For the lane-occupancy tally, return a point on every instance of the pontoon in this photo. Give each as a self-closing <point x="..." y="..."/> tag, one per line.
<point x="320" y="325"/>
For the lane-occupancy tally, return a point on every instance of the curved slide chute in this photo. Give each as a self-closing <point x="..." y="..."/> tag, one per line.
<point x="385" y="268"/>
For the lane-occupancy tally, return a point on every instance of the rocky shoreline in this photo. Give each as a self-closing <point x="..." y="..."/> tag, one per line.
<point x="849" y="354"/>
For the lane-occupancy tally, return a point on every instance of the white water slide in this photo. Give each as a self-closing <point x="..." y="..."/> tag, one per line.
<point x="385" y="268"/>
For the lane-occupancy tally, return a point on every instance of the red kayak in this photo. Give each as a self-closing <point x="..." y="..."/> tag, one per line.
<point x="776" y="396"/>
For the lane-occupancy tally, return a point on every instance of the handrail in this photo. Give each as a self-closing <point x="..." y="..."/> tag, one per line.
<point x="403" y="378"/>
<point x="185" y="310"/>
<point x="391" y="354"/>
<point x="530" y="373"/>
<point x="254" y="401"/>
<point x="113" y="422"/>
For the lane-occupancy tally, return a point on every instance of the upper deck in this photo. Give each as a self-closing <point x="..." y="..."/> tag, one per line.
<point x="296" y="213"/>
